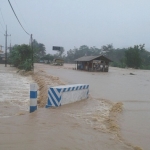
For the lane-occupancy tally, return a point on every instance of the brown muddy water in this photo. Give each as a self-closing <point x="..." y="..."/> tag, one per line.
<point x="118" y="86"/>
<point x="14" y="91"/>
<point x="81" y="125"/>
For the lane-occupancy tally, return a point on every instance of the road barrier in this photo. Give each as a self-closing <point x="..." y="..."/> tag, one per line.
<point x="65" y="94"/>
<point x="33" y="97"/>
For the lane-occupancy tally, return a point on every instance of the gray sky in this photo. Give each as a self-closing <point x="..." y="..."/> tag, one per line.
<point x="70" y="23"/>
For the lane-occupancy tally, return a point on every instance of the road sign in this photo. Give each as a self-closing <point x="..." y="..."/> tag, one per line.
<point x="57" y="48"/>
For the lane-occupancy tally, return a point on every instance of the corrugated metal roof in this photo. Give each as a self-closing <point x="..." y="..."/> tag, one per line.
<point x="89" y="58"/>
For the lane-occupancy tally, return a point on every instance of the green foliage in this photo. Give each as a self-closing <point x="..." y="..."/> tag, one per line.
<point x="20" y="57"/>
<point x="26" y="65"/>
<point x="116" y="55"/>
<point x="83" y="50"/>
<point x="48" y="57"/>
<point x="120" y="64"/>
<point x="60" y="54"/>
<point x="146" y="67"/>
<point x="133" y="57"/>
<point x="106" y="50"/>
<point x="145" y="56"/>
<point x="39" y="50"/>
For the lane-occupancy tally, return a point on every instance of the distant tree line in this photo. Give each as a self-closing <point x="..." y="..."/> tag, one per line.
<point x="134" y="57"/>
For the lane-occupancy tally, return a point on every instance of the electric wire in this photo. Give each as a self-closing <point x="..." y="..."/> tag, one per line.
<point x="17" y="17"/>
<point x="2" y="16"/>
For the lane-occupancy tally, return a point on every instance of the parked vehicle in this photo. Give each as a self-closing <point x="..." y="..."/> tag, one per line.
<point x="59" y="62"/>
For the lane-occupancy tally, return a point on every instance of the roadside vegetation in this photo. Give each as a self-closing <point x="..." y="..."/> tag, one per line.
<point x="21" y="57"/>
<point x="133" y="57"/>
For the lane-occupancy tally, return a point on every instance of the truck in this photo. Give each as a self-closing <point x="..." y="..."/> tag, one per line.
<point x="58" y="62"/>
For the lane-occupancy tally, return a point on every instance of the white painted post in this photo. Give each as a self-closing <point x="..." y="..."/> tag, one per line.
<point x="64" y="94"/>
<point x="33" y="97"/>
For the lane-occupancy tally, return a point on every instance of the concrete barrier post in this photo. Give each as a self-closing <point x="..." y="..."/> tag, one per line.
<point x="65" y="94"/>
<point x="33" y="97"/>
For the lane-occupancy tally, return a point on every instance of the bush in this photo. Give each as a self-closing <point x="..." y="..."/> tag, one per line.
<point x="26" y="65"/>
<point x="20" y="57"/>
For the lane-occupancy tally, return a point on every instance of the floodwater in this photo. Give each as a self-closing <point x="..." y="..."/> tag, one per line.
<point x="79" y="125"/>
<point x="75" y="126"/>
<point x="14" y="91"/>
<point x="118" y="85"/>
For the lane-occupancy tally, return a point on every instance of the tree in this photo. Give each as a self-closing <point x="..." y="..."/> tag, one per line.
<point x="60" y="54"/>
<point x="42" y="50"/>
<point x="83" y="50"/>
<point x="39" y="50"/>
<point x="20" y="57"/>
<point x="48" y="57"/>
<point x="105" y="49"/>
<point x="132" y="56"/>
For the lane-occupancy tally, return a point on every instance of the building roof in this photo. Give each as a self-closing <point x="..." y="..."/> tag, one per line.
<point x="89" y="58"/>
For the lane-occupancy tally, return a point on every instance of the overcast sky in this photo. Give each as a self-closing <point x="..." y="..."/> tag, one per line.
<point x="72" y="23"/>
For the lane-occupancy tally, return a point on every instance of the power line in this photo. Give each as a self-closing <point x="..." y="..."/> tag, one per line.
<point x="2" y="16"/>
<point x="17" y="17"/>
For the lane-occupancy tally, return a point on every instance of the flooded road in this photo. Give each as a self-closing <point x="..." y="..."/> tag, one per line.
<point x="14" y="91"/>
<point x="81" y="125"/>
<point x="52" y="129"/>
<point x="118" y="85"/>
<point x="77" y="126"/>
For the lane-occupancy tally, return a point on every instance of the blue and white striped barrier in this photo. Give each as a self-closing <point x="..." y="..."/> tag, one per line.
<point x="65" y="94"/>
<point x="33" y="97"/>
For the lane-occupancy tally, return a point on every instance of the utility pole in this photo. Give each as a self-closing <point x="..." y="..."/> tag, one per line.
<point x="6" y="47"/>
<point x="32" y="52"/>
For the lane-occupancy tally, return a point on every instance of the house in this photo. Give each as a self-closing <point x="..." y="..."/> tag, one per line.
<point x="93" y="63"/>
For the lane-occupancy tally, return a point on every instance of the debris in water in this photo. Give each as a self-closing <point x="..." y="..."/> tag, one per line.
<point x="132" y="74"/>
